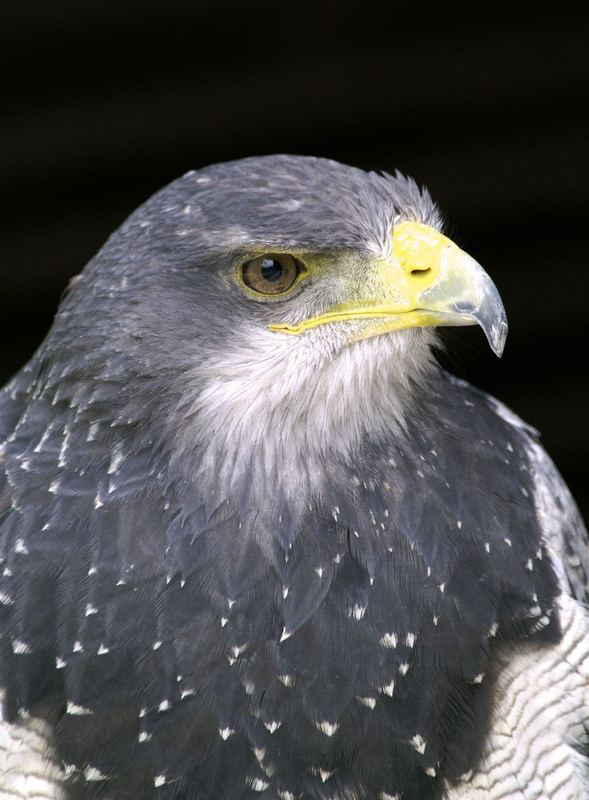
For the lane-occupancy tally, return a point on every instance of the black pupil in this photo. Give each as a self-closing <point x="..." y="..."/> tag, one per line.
<point x="271" y="269"/>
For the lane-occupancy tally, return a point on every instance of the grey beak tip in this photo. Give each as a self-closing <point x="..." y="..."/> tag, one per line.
<point x="497" y="336"/>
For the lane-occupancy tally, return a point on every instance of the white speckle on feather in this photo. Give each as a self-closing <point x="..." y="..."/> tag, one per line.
<point x="529" y="564"/>
<point x="187" y="693"/>
<point x="285" y="635"/>
<point x="164" y="705"/>
<point x="20" y="547"/>
<point x="388" y="689"/>
<point x="102" y="650"/>
<point x="410" y="640"/>
<point x="76" y="710"/>
<point x="44" y="437"/>
<point x="225" y="733"/>
<point x="78" y="647"/>
<point x="260" y="753"/>
<point x="442" y="587"/>
<point x="257" y="784"/>
<point x="369" y="702"/>
<point x="156" y="645"/>
<point x="478" y="678"/>
<point x="488" y="547"/>
<point x="224" y="621"/>
<point x="60" y="663"/>
<point x="273" y="725"/>
<point x="328" y="728"/>
<point x="389" y="640"/>
<point x="319" y="571"/>
<point x="403" y="669"/>
<point x="62" y="461"/>
<point x="431" y="771"/>
<point x="20" y="648"/>
<point x="92" y="431"/>
<point x="358" y="612"/>
<point x="93" y="774"/>
<point x="90" y="610"/>
<point x="159" y="780"/>
<point x="507" y="541"/>
<point x="436" y="619"/>
<point x="287" y="680"/>
<point x="418" y="743"/>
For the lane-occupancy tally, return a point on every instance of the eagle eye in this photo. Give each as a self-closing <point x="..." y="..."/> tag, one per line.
<point x="271" y="273"/>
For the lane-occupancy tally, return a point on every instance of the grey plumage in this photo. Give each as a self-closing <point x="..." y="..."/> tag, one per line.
<point x="239" y="564"/>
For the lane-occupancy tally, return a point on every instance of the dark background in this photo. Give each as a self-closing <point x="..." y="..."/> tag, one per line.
<point x="105" y="101"/>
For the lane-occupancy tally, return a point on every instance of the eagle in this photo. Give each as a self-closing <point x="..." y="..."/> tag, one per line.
<point x="255" y="542"/>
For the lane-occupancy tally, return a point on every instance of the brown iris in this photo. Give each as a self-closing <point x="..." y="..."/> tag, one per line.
<point x="272" y="273"/>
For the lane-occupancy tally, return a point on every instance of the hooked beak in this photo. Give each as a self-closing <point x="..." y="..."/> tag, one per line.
<point x="427" y="280"/>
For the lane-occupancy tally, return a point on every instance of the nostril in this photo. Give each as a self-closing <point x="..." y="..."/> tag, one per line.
<point x="421" y="271"/>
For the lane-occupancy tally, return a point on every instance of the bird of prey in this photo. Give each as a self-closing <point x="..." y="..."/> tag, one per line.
<point x="256" y="543"/>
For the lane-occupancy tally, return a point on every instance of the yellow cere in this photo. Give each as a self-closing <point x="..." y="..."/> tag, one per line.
<point x="395" y="286"/>
<point x="419" y="247"/>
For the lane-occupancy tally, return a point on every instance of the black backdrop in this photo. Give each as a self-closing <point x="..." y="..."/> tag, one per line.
<point x="484" y="103"/>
